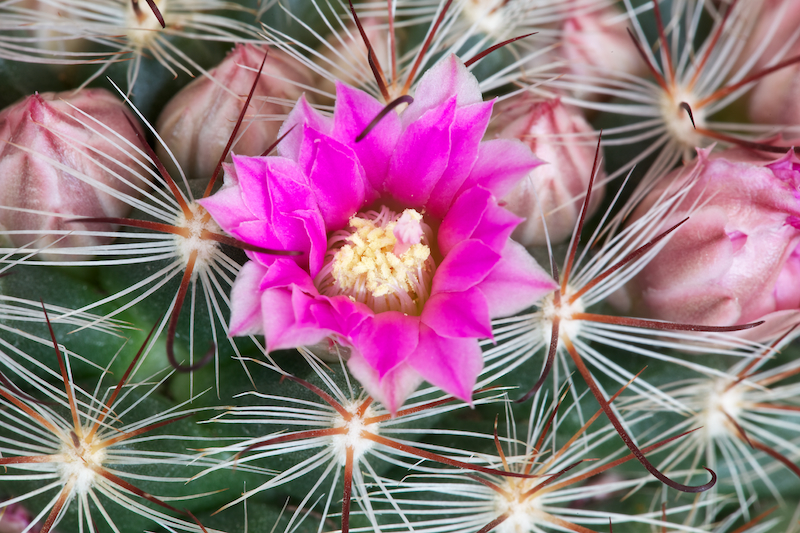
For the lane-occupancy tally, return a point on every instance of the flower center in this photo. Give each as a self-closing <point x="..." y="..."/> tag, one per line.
<point x="80" y="458"/>
<point x="197" y="229"/>
<point x="382" y="260"/>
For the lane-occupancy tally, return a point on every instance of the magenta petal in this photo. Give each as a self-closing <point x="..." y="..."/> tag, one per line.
<point x="421" y="156"/>
<point x="227" y="207"/>
<point x="501" y="164"/>
<point x="458" y="314"/>
<point x="391" y="390"/>
<point x="281" y="327"/>
<point x="337" y="181"/>
<point x="246" y="316"/>
<point x="386" y="340"/>
<point x="516" y="283"/>
<point x="496" y="226"/>
<point x="353" y="112"/>
<point x="302" y="114"/>
<point x="476" y="215"/>
<point x="446" y="79"/>
<point x="284" y="272"/>
<point x="452" y="365"/>
<point x="466" y="265"/>
<point x="271" y="184"/>
<point x="465" y="137"/>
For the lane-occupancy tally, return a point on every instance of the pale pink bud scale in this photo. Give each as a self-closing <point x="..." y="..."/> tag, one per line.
<point x="44" y="131"/>
<point x="557" y="135"/>
<point x="197" y="123"/>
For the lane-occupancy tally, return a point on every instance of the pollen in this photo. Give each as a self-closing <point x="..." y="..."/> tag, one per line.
<point x="381" y="261"/>
<point x="196" y="230"/>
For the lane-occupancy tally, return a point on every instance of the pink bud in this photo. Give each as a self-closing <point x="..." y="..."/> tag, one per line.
<point x="15" y="519"/>
<point x="197" y="123"/>
<point x="594" y="44"/>
<point x="345" y="56"/>
<point x="736" y="259"/>
<point x="561" y="137"/>
<point x="44" y="131"/>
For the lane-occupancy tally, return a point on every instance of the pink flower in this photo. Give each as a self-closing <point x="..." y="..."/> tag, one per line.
<point x="736" y="259"/>
<point x="408" y="318"/>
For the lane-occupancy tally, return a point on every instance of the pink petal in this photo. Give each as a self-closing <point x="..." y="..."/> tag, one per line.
<point x="421" y="156"/>
<point x="227" y="207"/>
<point x="353" y="112"/>
<point x="516" y="283"/>
<point x="501" y="164"/>
<point x="466" y="265"/>
<point x="458" y="314"/>
<point x="452" y="365"/>
<point x="386" y="340"/>
<point x="281" y="328"/>
<point x="446" y="79"/>
<point x="391" y="390"/>
<point x="465" y="136"/>
<point x="246" y="316"/>
<point x="301" y="114"/>
<point x="476" y="215"/>
<point x="337" y="181"/>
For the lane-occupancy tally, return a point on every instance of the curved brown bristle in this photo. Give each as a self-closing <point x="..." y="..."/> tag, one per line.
<point x="404" y="99"/>
<point x="491" y="49"/>
<point x="686" y="107"/>
<point x="173" y="323"/>
<point x="612" y="417"/>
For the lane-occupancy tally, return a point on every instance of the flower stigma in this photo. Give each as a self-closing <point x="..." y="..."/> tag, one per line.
<point x="382" y="260"/>
<point x="193" y="239"/>
<point x="353" y="439"/>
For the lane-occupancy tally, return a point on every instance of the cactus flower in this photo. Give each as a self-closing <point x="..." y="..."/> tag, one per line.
<point x="420" y="184"/>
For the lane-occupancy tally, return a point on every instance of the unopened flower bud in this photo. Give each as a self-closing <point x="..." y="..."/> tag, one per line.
<point x="594" y="44"/>
<point x="736" y="259"/>
<point x="349" y="62"/>
<point x="559" y="136"/>
<point x="197" y="123"/>
<point x="58" y="151"/>
<point x="16" y="519"/>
